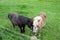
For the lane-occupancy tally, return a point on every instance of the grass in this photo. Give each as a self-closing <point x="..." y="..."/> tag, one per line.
<point x="31" y="8"/>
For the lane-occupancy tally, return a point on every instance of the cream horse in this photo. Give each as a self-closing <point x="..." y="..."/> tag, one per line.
<point x="38" y="23"/>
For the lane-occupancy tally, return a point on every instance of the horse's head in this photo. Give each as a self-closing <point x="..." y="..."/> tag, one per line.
<point x="30" y="24"/>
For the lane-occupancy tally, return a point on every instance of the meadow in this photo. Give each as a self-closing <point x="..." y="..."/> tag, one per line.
<point x="30" y="8"/>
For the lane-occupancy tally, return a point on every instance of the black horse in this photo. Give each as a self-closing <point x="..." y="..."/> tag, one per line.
<point x="20" y="21"/>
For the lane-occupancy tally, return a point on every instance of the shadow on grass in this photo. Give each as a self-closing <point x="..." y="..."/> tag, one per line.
<point x="1" y="37"/>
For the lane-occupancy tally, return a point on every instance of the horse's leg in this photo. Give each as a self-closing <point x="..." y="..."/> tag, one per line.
<point x="30" y="26"/>
<point x="39" y="32"/>
<point x="40" y="29"/>
<point x="23" y="28"/>
<point x="12" y="23"/>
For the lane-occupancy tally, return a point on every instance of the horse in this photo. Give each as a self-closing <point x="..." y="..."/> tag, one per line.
<point x="20" y="21"/>
<point x="38" y="23"/>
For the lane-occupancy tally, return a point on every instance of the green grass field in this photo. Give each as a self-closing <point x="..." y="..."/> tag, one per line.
<point x="30" y="8"/>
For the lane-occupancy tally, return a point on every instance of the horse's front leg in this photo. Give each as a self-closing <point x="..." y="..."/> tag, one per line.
<point x="21" y="28"/>
<point x="39" y="33"/>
